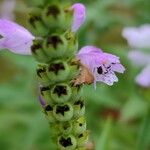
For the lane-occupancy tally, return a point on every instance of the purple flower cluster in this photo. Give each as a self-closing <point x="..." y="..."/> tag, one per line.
<point x="139" y="39"/>
<point x="101" y="66"/>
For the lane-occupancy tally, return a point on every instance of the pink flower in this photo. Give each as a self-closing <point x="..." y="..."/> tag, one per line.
<point x="15" y="37"/>
<point x="78" y="16"/>
<point x="138" y="39"/>
<point x="101" y="65"/>
<point x="7" y="8"/>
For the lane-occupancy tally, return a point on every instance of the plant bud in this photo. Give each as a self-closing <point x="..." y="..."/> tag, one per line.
<point x="79" y="125"/>
<point x="48" y="110"/>
<point x="82" y="138"/>
<point x="37" y="51"/>
<point x="36" y="24"/>
<point x="63" y="112"/>
<point x="67" y="142"/>
<point x="58" y="71"/>
<point x="79" y="108"/>
<point x="65" y="127"/>
<point x="42" y="74"/>
<point x="55" y="46"/>
<point x="61" y="93"/>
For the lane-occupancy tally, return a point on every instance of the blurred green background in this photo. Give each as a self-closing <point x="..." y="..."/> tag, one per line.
<point x="118" y="116"/>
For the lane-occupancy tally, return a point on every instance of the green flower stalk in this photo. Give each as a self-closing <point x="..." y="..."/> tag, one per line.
<point x="55" y="51"/>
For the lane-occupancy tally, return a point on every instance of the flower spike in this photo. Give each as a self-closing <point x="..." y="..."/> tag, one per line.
<point x="78" y="16"/>
<point x="15" y="37"/>
<point x="99" y="64"/>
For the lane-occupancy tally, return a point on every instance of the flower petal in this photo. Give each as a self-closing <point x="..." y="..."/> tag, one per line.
<point x="137" y="37"/>
<point x="15" y="37"/>
<point x="143" y="78"/>
<point x="118" y="68"/>
<point x="7" y="8"/>
<point x="79" y="16"/>
<point x="88" y="49"/>
<point x="101" y="65"/>
<point x="139" y="58"/>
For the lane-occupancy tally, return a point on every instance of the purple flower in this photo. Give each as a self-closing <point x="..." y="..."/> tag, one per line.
<point x="78" y="16"/>
<point x="15" y="37"/>
<point x="7" y="8"/>
<point x="138" y="39"/>
<point x="101" y="65"/>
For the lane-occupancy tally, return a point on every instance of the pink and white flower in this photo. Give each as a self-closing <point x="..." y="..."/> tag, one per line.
<point x="100" y="64"/>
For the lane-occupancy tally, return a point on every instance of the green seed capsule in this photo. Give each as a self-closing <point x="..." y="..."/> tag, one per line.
<point x="74" y="68"/>
<point x="67" y="142"/>
<point x="61" y="93"/>
<point x="65" y="128"/>
<point x="37" y="51"/>
<point x="82" y="138"/>
<point x="72" y="44"/>
<point x="52" y="15"/>
<point x="79" y="108"/>
<point x="58" y="71"/>
<point x="45" y="93"/>
<point x="76" y="92"/>
<point x="55" y="46"/>
<point x="42" y="74"/>
<point x="63" y="112"/>
<point x="48" y="110"/>
<point x="79" y="125"/>
<point x="36" y="24"/>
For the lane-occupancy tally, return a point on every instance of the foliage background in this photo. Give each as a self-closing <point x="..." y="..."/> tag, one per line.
<point x="118" y="116"/>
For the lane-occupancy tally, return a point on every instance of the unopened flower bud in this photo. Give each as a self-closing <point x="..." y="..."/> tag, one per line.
<point x="37" y="51"/>
<point x="48" y="110"/>
<point x="79" y="125"/>
<point x="67" y="142"/>
<point x="82" y="138"/>
<point x="55" y="46"/>
<point x="36" y="24"/>
<point x="63" y="112"/>
<point x="65" y="127"/>
<point x="79" y="108"/>
<point x="58" y="71"/>
<point x="61" y="93"/>
<point x="42" y="74"/>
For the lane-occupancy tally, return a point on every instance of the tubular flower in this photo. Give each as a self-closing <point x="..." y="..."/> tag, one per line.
<point x="102" y="66"/>
<point x="79" y="16"/>
<point x="138" y="39"/>
<point x="15" y="37"/>
<point x="7" y="9"/>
